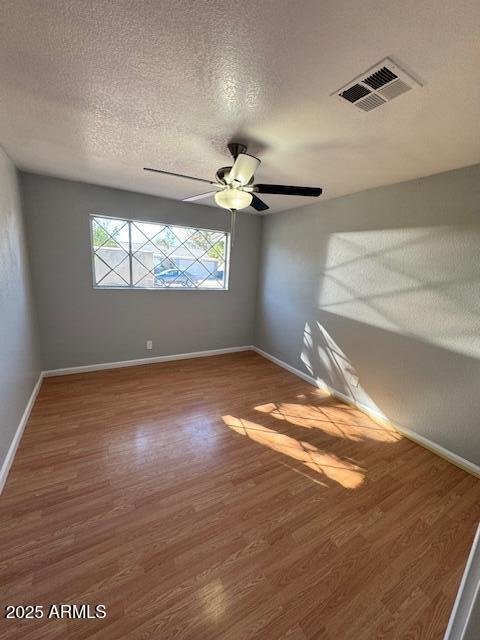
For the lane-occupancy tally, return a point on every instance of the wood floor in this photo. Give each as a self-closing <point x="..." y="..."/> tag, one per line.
<point x="224" y="498"/>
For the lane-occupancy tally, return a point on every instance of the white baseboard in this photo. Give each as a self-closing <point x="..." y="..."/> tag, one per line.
<point x="468" y="595"/>
<point x="133" y="363"/>
<point x="7" y="463"/>
<point x="288" y="367"/>
<point x="455" y="459"/>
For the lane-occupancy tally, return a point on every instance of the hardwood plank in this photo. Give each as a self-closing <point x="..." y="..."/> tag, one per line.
<point x="225" y="498"/>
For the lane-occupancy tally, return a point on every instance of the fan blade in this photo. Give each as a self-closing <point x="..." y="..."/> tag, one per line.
<point x="284" y="190"/>
<point x="178" y="175"/>
<point x="257" y="204"/>
<point x="200" y="197"/>
<point x="243" y="169"/>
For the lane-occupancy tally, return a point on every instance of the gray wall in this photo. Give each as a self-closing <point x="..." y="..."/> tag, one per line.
<point x="81" y="325"/>
<point x="378" y="294"/>
<point x="19" y="361"/>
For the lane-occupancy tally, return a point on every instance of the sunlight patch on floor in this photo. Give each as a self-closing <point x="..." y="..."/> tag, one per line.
<point x="213" y="599"/>
<point x="332" y="420"/>
<point x="343" y="472"/>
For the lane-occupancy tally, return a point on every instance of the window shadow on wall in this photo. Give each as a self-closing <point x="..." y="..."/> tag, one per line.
<point x="390" y="317"/>
<point x="422" y="282"/>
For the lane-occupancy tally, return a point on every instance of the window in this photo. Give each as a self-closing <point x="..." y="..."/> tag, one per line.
<point x="144" y="255"/>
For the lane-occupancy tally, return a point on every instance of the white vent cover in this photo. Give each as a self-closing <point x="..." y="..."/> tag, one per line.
<point x="376" y="86"/>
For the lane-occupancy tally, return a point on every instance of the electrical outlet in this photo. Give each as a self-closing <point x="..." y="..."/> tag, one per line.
<point x="149" y="344"/>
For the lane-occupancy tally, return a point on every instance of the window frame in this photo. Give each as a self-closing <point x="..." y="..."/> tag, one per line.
<point x="132" y="287"/>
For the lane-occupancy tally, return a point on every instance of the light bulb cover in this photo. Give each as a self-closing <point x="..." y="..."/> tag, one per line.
<point x="232" y="198"/>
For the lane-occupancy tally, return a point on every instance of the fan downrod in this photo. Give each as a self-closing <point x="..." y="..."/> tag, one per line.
<point x="235" y="148"/>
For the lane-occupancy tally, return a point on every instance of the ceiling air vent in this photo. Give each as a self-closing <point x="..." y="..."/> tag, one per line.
<point x="380" y="78"/>
<point x="376" y="86"/>
<point x="355" y="93"/>
<point x="372" y="102"/>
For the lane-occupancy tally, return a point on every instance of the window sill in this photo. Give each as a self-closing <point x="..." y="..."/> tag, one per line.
<point x="185" y="289"/>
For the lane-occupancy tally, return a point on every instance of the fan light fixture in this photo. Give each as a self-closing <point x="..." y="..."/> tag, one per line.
<point x="232" y="198"/>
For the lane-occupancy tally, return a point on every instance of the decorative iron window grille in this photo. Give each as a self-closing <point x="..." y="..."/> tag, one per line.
<point x="146" y="255"/>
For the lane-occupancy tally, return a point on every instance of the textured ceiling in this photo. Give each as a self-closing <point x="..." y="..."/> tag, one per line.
<point x="95" y="90"/>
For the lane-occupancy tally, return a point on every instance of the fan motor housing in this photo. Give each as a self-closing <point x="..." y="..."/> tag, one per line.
<point x="221" y="174"/>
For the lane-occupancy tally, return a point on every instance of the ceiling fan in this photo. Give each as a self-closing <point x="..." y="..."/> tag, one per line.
<point x="234" y="186"/>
